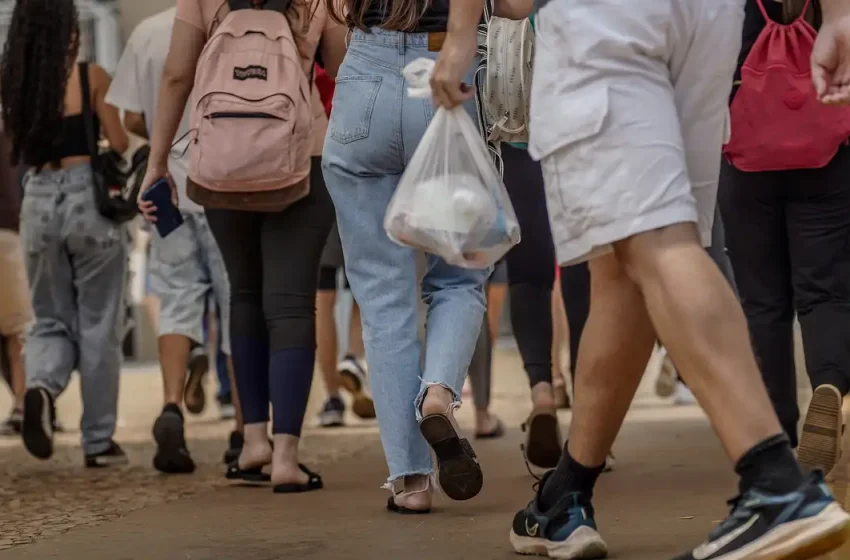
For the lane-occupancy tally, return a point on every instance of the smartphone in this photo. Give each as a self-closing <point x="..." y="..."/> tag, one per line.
<point x="168" y="216"/>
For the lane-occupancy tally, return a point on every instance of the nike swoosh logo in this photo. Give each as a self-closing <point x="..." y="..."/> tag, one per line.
<point x="532" y="531"/>
<point x="708" y="549"/>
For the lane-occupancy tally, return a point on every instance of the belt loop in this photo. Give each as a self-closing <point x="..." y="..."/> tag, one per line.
<point x="348" y="35"/>
<point x="401" y="40"/>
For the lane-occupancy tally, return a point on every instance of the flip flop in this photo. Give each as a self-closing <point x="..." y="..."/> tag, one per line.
<point x="495" y="433"/>
<point x="254" y="474"/>
<point x="395" y="508"/>
<point x="460" y="475"/>
<point x="543" y="446"/>
<point x="314" y="483"/>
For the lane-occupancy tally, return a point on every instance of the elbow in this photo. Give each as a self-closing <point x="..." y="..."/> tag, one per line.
<point x="176" y="80"/>
<point x="514" y="9"/>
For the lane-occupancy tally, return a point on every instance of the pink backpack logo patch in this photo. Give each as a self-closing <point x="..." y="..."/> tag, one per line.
<point x="777" y="121"/>
<point x="251" y="111"/>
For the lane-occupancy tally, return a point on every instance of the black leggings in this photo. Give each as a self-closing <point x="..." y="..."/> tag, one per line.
<point x="272" y="262"/>
<point x="531" y="272"/>
<point x="788" y="235"/>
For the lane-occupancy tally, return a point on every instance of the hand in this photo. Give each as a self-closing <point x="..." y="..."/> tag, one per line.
<point x="831" y="61"/>
<point x="153" y="174"/>
<point x="453" y="64"/>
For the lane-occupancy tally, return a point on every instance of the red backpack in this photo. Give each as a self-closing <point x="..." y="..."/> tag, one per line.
<point x="777" y="121"/>
<point x="325" y="85"/>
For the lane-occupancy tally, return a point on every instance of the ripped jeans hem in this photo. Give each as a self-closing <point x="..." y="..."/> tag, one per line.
<point x="455" y="404"/>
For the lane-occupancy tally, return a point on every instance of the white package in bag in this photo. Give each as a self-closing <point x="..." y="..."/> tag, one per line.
<point x="450" y="201"/>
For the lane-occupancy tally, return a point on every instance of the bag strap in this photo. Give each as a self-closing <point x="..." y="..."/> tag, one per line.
<point x="88" y="116"/>
<point x="763" y="10"/>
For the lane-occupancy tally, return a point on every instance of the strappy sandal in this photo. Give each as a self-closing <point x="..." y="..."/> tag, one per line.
<point x="314" y="483"/>
<point x="459" y="473"/>
<point x="393" y="506"/>
<point x="543" y="446"/>
<point x="254" y="474"/>
<point x="495" y="433"/>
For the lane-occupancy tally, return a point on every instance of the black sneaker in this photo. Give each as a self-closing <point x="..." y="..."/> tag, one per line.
<point x="194" y="395"/>
<point x="332" y="413"/>
<point x="567" y="530"/>
<point x="172" y="456"/>
<point x="354" y="378"/>
<point x="804" y="524"/>
<point x="234" y="447"/>
<point x="12" y="424"/>
<point x="37" y="427"/>
<point x="112" y="457"/>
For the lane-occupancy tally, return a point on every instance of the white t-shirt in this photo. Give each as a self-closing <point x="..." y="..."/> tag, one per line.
<point x="135" y="87"/>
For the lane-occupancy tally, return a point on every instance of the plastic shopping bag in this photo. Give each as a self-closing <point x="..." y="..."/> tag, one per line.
<point x="450" y="201"/>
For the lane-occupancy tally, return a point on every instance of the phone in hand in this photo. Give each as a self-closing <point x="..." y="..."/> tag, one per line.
<point x="168" y="216"/>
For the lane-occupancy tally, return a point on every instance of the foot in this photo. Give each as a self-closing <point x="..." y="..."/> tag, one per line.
<point x="172" y="456"/>
<point x="543" y="441"/>
<point x="194" y="395"/>
<point x="802" y="525"/>
<point x="111" y="457"/>
<point x="561" y="397"/>
<point x="415" y="498"/>
<point x="665" y="385"/>
<point x="288" y="473"/>
<point x="543" y="396"/>
<point x="566" y="531"/>
<point x="820" y="443"/>
<point x="37" y="427"/>
<point x="255" y="455"/>
<point x="234" y="447"/>
<point x="332" y="413"/>
<point x="683" y="395"/>
<point x="488" y="426"/>
<point x="354" y="378"/>
<point x="12" y="425"/>
<point x="226" y="410"/>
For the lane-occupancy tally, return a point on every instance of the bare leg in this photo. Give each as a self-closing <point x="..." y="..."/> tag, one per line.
<point x="355" y="337"/>
<point x="173" y="359"/>
<point x="17" y="376"/>
<point x="702" y="325"/>
<point x="496" y="294"/>
<point x="326" y="340"/>
<point x="615" y="348"/>
<point x="237" y="406"/>
<point x="560" y="332"/>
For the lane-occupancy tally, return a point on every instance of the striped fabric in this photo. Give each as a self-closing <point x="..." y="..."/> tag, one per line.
<point x="478" y="82"/>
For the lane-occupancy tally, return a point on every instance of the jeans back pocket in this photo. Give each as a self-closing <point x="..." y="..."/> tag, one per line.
<point x="354" y="101"/>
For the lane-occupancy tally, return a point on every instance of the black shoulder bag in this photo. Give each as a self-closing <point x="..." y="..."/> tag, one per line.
<point x="108" y="180"/>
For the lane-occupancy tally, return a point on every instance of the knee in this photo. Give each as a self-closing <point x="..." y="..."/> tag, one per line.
<point x="646" y="257"/>
<point x="290" y="320"/>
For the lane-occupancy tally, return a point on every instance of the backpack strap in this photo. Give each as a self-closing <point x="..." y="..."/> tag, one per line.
<point x="763" y="11"/>
<point x="88" y="117"/>
<point x="276" y="5"/>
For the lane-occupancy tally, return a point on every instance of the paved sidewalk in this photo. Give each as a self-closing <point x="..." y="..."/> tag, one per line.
<point x="667" y="493"/>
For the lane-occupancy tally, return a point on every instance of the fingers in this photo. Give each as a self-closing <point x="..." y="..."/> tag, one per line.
<point x="820" y="79"/>
<point x="148" y="210"/>
<point x="450" y="95"/>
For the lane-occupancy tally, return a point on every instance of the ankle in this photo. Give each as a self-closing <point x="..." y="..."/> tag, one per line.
<point x="543" y="395"/>
<point x="438" y="400"/>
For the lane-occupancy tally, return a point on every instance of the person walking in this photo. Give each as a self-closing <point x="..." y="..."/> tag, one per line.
<point x="270" y="245"/>
<point x="634" y="176"/>
<point x="76" y="259"/>
<point x="787" y="234"/>
<point x="186" y="268"/>
<point x="373" y="132"/>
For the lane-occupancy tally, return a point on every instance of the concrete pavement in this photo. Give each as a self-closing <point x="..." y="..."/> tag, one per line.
<point x="667" y="493"/>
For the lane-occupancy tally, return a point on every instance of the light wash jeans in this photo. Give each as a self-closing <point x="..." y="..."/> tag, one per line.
<point x="77" y="264"/>
<point x="373" y="132"/>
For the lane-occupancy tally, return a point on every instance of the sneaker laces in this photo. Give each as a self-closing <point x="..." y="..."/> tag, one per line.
<point x="736" y="515"/>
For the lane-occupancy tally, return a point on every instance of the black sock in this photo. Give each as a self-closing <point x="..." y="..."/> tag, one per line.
<point x="770" y="466"/>
<point x="171" y="407"/>
<point x="569" y="477"/>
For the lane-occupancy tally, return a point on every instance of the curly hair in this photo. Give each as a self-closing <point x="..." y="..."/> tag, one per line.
<point x="41" y="48"/>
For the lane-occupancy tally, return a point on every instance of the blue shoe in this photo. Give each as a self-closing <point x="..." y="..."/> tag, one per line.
<point x="800" y="525"/>
<point x="566" y="531"/>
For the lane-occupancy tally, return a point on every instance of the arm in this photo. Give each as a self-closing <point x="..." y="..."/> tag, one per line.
<point x="457" y="54"/>
<point x="332" y="47"/>
<point x="135" y="123"/>
<point x="514" y="9"/>
<point x="178" y="77"/>
<point x="109" y="118"/>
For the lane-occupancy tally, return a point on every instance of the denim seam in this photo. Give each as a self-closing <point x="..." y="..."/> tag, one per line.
<point x="370" y="60"/>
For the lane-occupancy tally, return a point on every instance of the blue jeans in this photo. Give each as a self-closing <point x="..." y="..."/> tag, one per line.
<point x="373" y="132"/>
<point x="77" y="267"/>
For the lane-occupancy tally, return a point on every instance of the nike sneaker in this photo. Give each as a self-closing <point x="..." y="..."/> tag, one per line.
<point x="566" y="531"/>
<point x="802" y="525"/>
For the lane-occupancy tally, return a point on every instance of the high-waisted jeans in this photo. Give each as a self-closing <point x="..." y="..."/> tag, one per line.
<point x="374" y="130"/>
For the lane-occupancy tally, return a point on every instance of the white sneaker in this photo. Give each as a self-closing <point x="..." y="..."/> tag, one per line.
<point x="683" y="396"/>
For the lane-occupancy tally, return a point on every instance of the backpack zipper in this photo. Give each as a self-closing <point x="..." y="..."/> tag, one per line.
<point x="240" y="115"/>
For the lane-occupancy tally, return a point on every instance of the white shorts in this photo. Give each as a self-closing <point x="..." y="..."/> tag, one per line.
<point x="629" y="111"/>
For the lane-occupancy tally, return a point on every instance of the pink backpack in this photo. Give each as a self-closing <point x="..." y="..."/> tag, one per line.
<point x="251" y="113"/>
<point x="777" y="121"/>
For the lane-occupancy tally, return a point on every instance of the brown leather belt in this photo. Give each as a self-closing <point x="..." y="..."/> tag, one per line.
<point x="436" y="40"/>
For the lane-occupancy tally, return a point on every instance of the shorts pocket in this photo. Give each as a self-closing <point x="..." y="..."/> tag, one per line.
<point x="354" y="101"/>
<point x="581" y="115"/>
<point x="179" y="248"/>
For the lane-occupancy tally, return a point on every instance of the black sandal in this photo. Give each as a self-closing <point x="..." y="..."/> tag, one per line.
<point x="495" y="433"/>
<point x="315" y="483"/>
<point x="254" y="474"/>
<point x="460" y="474"/>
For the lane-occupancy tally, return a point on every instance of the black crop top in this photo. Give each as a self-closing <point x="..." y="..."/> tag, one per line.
<point x="434" y="19"/>
<point x="74" y="141"/>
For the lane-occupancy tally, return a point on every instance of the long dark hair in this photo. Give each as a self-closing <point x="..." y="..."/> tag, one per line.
<point x="41" y="49"/>
<point x="401" y="15"/>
